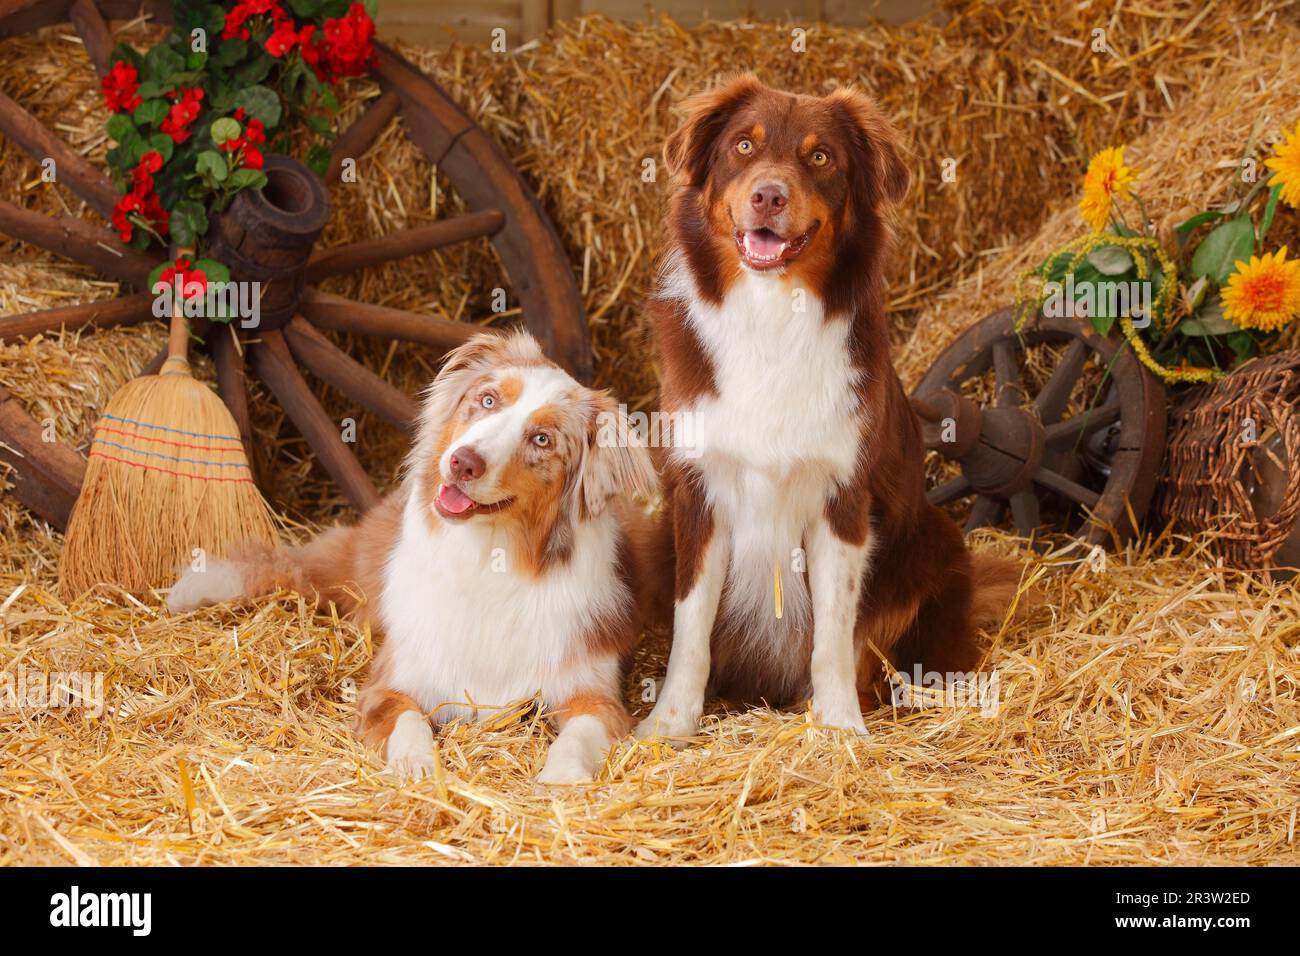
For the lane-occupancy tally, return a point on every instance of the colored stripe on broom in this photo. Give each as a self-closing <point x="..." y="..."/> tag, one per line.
<point x="163" y="441"/>
<point x="183" y="461"/>
<point x="168" y="471"/>
<point x="175" y="431"/>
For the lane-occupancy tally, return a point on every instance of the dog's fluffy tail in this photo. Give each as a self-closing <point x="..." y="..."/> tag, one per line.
<point x="995" y="582"/>
<point x="342" y="565"/>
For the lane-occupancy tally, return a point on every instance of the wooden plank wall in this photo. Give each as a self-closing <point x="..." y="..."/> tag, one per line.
<point x="437" y="22"/>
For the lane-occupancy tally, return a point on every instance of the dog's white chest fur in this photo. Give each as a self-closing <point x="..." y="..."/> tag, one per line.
<point x="470" y="634"/>
<point x="783" y="430"/>
<point x="785" y="382"/>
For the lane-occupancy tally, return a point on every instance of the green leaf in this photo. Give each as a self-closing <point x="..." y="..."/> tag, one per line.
<point x="1110" y="260"/>
<point x="1243" y="345"/>
<point x="161" y="63"/>
<point x="231" y="51"/>
<point x="120" y="128"/>
<point x="305" y="9"/>
<point x="149" y="90"/>
<point x="318" y="159"/>
<point x="1209" y="321"/>
<point x="224" y="130"/>
<point x="189" y="221"/>
<point x="1225" y="245"/>
<point x="214" y="270"/>
<point x="1102" y="323"/>
<point x="1185" y="227"/>
<point x="156" y="273"/>
<point x="256" y="69"/>
<point x="151" y="112"/>
<point x="1269" y="211"/>
<point x="164" y="145"/>
<point x="248" y="179"/>
<point x="212" y="164"/>
<point x="261" y="103"/>
<point x="196" y="60"/>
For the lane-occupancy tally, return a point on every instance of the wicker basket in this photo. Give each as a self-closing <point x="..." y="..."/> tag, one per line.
<point x="1233" y="465"/>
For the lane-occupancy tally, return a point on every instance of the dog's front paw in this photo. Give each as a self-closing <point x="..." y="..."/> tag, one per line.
<point x="839" y="715"/>
<point x="219" y="581"/>
<point x="670" y="721"/>
<point x="410" y="747"/>
<point x="565" y="770"/>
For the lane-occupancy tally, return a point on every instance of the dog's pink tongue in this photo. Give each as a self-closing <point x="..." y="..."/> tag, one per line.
<point x="454" y="500"/>
<point x="763" y="243"/>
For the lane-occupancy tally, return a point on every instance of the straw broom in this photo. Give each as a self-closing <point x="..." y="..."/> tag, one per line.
<point x="167" y="483"/>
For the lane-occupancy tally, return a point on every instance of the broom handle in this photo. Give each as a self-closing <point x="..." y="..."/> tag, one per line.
<point x="178" y="338"/>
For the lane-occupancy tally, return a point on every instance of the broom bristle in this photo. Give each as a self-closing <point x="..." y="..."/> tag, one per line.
<point x="167" y="483"/>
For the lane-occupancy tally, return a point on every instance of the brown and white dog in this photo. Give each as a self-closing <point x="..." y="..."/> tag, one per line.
<point x="509" y="562"/>
<point x="806" y="461"/>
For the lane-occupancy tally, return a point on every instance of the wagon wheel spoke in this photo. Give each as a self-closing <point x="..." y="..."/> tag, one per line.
<point x="79" y="240"/>
<point x="274" y="365"/>
<point x="94" y="33"/>
<point x="340" y="314"/>
<point x="1007" y="374"/>
<point x="361" y="135"/>
<point x="1024" y="511"/>
<point x="1083" y="424"/>
<point x="337" y="369"/>
<point x="1064" y="486"/>
<point x="232" y="381"/>
<point x="71" y="168"/>
<point x="1055" y="394"/>
<point x="949" y="491"/>
<point x="106" y="314"/>
<point x="405" y="242"/>
<point x="984" y="513"/>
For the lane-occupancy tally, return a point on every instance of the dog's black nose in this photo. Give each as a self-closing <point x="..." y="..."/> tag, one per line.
<point x="466" y="464"/>
<point x="769" y="197"/>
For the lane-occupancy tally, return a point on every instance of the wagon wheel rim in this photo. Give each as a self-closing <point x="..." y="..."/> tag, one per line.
<point x="1030" y="426"/>
<point x="499" y="206"/>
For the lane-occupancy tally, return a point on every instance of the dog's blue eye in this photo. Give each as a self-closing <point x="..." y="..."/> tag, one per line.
<point x="541" y="440"/>
<point x="488" y="401"/>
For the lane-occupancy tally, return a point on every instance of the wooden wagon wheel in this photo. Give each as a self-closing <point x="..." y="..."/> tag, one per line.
<point x="1089" y="452"/>
<point x="268" y="236"/>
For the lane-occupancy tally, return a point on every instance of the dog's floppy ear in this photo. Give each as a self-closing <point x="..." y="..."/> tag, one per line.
<point x="615" y="461"/>
<point x="686" y="153"/>
<point x="874" y="139"/>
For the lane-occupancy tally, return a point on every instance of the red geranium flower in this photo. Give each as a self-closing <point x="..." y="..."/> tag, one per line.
<point x="252" y="157"/>
<point x="120" y="86"/>
<point x="349" y="43"/>
<point x="183" y="112"/>
<point x="237" y="19"/>
<point x="192" y="281"/>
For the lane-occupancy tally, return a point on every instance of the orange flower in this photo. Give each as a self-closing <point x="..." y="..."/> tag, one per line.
<point x="1263" y="294"/>
<point x="1107" y="179"/>
<point x="1286" y="160"/>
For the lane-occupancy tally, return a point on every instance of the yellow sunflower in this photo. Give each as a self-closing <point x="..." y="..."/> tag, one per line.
<point x="1263" y="294"/>
<point x="1107" y="179"/>
<point x="1287" y="163"/>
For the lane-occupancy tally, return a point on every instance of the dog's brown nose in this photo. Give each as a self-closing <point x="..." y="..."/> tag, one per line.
<point x="466" y="464"/>
<point x="769" y="197"/>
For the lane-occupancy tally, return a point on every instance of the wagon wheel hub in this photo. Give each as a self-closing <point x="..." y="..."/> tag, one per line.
<point x="1054" y="439"/>
<point x="999" y="449"/>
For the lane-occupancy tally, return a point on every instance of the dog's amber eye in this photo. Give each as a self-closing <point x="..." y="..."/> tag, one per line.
<point x="819" y="158"/>
<point x="744" y="147"/>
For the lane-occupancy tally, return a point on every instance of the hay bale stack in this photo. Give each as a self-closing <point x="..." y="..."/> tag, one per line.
<point x="1183" y="162"/>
